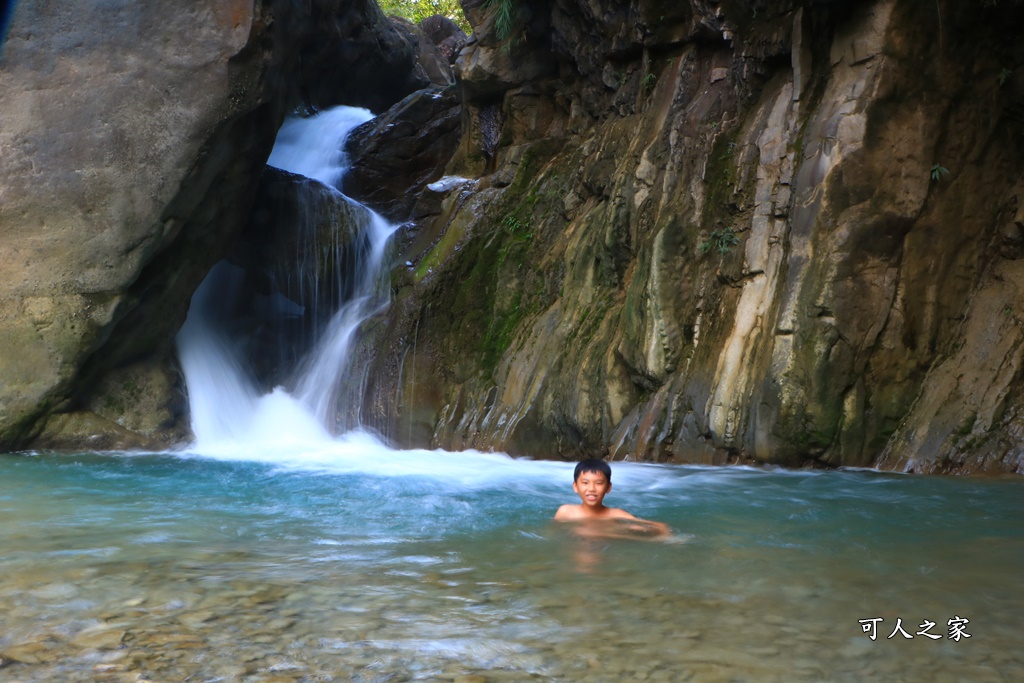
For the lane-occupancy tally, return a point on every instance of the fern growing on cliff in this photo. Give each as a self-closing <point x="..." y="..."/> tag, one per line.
<point x="721" y="240"/>
<point x="504" y="17"/>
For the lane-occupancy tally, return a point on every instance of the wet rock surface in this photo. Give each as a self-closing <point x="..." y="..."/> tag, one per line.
<point x="295" y="264"/>
<point x="395" y="155"/>
<point x="705" y="232"/>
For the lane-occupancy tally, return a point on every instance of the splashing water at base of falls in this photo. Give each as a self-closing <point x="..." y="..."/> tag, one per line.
<point x="229" y="416"/>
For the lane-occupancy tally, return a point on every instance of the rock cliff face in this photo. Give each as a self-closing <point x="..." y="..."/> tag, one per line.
<point x="787" y="232"/>
<point x="132" y="140"/>
<point x="717" y="231"/>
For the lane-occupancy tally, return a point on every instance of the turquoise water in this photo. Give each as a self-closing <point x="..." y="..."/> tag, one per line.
<point x="365" y="564"/>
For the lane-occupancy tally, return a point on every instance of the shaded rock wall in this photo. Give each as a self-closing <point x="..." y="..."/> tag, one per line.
<point x="297" y="258"/>
<point x="703" y="232"/>
<point x="347" y="52"/>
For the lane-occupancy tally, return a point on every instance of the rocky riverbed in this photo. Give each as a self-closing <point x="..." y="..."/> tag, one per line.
<point x="210" y="571"/>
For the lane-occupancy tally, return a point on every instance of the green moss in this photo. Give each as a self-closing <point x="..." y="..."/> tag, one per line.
<point x="481" y="313"/>
<point x="966" y="425"/>
<point x="26" y="427"/>
<point x="500" y="332"/>
<point x="526" y="172"/>
<point x="721" y="172"/>
<point x="488" y="289"/>
<point x="441" y="251"/>
<point x="121" y="398"/>
<point x="723" y="221"/>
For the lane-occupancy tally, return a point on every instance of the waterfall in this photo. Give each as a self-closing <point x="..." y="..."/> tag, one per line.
<point x="228" y="410"/>
<point x="221" y="394"/>
<point x="328" y="365"/>
<point x="315" y="146"/>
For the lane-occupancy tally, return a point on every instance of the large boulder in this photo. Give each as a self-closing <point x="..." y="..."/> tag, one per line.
<point x="445" y="34"/>
<point x="348" y="52"/>
<point x="297" y="259"/>
<point x="396" y="154"/>
<point x="128" y="129"/>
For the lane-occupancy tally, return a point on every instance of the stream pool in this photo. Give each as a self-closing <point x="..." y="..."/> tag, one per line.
<point x="354" y="562"/>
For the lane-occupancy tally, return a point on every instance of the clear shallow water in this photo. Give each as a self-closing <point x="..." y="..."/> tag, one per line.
<point x="352" y="562"/>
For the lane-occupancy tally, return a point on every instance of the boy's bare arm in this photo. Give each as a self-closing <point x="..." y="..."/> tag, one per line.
<point x="644" y="525"/>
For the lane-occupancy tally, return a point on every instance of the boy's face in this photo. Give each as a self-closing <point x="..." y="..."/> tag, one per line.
<point x="592" y="487"/>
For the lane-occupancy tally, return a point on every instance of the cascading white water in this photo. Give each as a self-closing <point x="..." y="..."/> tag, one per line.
<point x="328" y="364"/>
<point x="228" y="413"/>
<point x="314" y="146"/>
<point x="221" y="395"/>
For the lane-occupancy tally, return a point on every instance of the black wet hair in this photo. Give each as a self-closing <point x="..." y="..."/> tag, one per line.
<point x="592" y="465"/>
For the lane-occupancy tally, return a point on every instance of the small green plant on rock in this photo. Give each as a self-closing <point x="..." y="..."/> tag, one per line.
<point x="516" y="226"/>
<point x="519" y="231"/>
<point x="721" y="240"/>
<point x="648" y="82"/>
<point x="1004" y="75"/>
<point x="938" y="171"/>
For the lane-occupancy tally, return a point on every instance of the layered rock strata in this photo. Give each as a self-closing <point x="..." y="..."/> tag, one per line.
<point x="724" y="231"/>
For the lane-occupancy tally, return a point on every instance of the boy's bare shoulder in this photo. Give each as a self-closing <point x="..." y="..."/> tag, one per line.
<point x="568" y="513"/>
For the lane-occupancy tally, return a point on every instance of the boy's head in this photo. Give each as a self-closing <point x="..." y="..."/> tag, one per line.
<point x="592" y="480"/>
<point x="592" y="465"/>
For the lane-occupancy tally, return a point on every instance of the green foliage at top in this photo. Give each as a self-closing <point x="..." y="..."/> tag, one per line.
<point x="418" y="10"/>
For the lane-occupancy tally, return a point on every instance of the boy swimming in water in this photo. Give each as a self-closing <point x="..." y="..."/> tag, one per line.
<point x="592" y="480"/>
